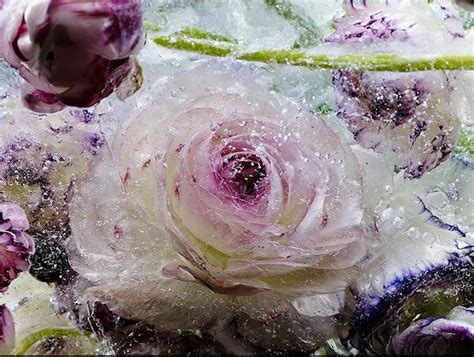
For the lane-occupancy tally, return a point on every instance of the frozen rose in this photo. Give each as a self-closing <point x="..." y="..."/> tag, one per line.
<point x="414" y="118"/>
<point x="254" y="203"/>
<point x="15" y="245"/>
<point x="70" y="52"/>
<point x="222" y="192"/>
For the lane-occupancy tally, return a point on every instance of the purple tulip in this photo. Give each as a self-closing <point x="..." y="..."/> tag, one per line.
<point x="70" y="52"/>
<point x="15" y="245"/>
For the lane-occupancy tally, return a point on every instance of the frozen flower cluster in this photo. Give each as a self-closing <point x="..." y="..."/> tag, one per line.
<point x="212" y="213"/>
<point x="259" y="215"/>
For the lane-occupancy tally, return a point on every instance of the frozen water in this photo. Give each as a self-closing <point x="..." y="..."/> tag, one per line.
<point x="88" y="180"/>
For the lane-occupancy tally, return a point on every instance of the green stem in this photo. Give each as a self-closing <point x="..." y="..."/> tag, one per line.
<point x="192" y="45"/>
<point x="44" y="334"/>
<point x="362" y="62"/>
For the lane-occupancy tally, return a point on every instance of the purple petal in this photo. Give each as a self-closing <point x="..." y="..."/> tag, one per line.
<point x="451" y="19"/>
<point x="437" y="336"/>
<point x="93" y="142"/>
<point x="15" y="246"/>
<point x="12" y="217"/>
<point x="7" y="331"/>
<point x="39" y="101"/>
<point x="388" y="113"/>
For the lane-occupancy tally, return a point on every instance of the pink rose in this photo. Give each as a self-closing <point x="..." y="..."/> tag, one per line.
<point x="222" y="204"/>
<point x="252" y="200"/>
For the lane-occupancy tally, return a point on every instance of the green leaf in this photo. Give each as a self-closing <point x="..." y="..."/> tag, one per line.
<point x="150" y="27"/>
<point x="466" y="143"/>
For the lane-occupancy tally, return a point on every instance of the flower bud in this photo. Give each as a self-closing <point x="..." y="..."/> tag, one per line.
<point x="70" y="52"/>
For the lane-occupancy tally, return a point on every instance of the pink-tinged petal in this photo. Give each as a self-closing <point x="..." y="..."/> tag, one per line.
<point x="39" y="101"/>
<point x="15" y="246"/>
<point x="7" y="331"/>
<point x="14" y="215"/>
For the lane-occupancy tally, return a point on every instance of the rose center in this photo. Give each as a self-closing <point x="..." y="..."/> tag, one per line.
<point x="243" y="174"/>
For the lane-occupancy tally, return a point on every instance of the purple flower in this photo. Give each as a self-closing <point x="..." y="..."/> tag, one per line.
<point x="70" y="52"/>
<point x="421" y="262"/>
<point x="372" y="21"/>
<point x="42" y="158"/>
<point x="15" y="245"/>
<point x="412" y="118"/>
<point x="7" y="330"/>
<point x="453" y="335"/>
<point x="401" y="115"/>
